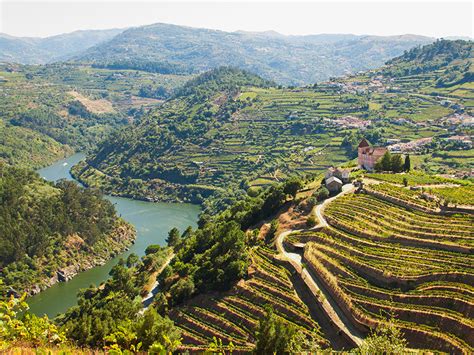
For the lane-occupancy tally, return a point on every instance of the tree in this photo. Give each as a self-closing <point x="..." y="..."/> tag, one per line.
<point x="292" y="186"/>
<point x="132" y="260"/>
<point x="386" y="339"/>
<point x="173" y="237"/>
<point x="396" y="163"/>
<point x="274" y="334"/>
<point x="182" y="290"/>
<point x="311" y="221"/>
<point x="386" y="161"/>
<point x="273" y="228"/>
<point x="322" y="193"/>
<point x="407" y="164"/>
<point x="154" y="330"/>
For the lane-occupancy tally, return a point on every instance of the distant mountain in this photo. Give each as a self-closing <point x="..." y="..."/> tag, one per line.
<point x="32" y="50"/>
<point x="284" y="59"/>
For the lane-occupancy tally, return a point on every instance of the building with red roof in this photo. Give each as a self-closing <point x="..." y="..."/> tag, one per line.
<point x="368" y="155"/>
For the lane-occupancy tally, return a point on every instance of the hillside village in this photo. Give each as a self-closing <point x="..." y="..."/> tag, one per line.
<point x="332" y="217"/>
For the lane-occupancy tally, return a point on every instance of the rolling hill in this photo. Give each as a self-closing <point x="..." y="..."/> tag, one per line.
<point x="33" y="50"/>
<point x="213" y="136"/>
<point x="285" y="59"/>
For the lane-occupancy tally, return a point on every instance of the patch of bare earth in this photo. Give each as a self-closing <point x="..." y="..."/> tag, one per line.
<point x="93" y="106"/>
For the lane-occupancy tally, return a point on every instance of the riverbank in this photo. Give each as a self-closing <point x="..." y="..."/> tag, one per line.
<point x="152" y="221"/>
<point x="76" y="258"/>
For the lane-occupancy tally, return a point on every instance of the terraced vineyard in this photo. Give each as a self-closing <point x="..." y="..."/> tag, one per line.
<point x="234" y="316"/>
<point x="379" y="260"/>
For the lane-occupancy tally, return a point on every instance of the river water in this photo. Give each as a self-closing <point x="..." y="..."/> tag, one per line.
<point x="151" y="220"/>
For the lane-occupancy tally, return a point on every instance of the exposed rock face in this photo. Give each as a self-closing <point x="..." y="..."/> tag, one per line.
<point x="80" y="260"/>
<point x="62" y="276"/>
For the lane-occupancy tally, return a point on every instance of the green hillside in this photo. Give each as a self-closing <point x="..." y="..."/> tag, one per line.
<point x="204" y="141"/>
<point x="47" y="112"/>
<point x="49" y="232"/>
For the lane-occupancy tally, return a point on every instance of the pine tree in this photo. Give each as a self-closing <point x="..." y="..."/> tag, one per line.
<point x="173" y="237"/>
<point x="407" y="164"/>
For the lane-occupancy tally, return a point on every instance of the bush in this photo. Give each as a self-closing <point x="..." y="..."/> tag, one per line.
<point x="311" y="221"/>
<point x="29" y="329"/>
<point x="321" y="194"/>
<point x="311" y="202"/>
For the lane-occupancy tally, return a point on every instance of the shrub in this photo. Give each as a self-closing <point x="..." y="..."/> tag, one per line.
<point x="29" y="329"/>
<point x="311" y="202"/>
<point x="322" y="193"/>
<point x="311" y="221"/>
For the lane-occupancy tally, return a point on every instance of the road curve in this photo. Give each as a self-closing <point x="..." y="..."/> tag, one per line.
<point x="319" y="292"/>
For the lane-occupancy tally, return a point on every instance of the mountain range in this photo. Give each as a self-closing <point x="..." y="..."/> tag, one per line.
<point x="289" y="60"/>
<point x="35" y="50"/>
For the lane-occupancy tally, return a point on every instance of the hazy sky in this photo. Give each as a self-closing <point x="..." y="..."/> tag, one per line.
<point x="438" y="19"/>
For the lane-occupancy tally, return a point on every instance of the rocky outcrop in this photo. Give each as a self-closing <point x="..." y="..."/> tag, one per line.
<point x="82" y="259"/>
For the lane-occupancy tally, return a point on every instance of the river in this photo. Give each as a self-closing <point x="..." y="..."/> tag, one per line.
<point x="151" y="220"/>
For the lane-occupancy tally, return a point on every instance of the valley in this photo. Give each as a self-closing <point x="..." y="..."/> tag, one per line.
<point x="150" y="220"/>
<point x="209" y="208"/>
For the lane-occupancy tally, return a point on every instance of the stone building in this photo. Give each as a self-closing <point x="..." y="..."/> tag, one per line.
<point x="341" y="174"/>
<point x="368" y="155"/>
<point x="333" y="184"/>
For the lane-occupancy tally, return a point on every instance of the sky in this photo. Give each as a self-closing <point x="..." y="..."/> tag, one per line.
<point x="39" y="18"/>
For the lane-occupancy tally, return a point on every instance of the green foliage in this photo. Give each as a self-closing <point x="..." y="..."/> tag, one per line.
<point x="311" y="221"/>
<point x="463" y="195"/>
<point x="223" y="79"/>
<point x="153" y="248"/>
<point x="321" y="194"/>
<point x="415" y="177"/>
<point x="49" y="111"/>
<point x="182" y="290"/>
<point x="390" y="162"/>
<point x="292" y="186"/>
<point x="26" y="329"/>
<point x="28" y="148"/>
<point x="110" y="314"/>
<point x="430" y="57"/>
<point x="407" y="163"/>
<point x="274" y="335"/>
<point x="215" y="256"/>
<point x="396" y="163"/>
<point x="36" y="220"/>
<point x="386" y="339"/>
<point x="274" y="225"/>
<point x="174" y="237"/>
<point x="150" y="332"/>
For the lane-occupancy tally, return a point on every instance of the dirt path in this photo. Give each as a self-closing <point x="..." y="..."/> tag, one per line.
<point x="148" y="299"/>
<point x="318" y="291"/>
<point x="320" y="208"/>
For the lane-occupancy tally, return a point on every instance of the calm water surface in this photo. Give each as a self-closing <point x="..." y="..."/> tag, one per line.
<point x="151" y="220"/>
